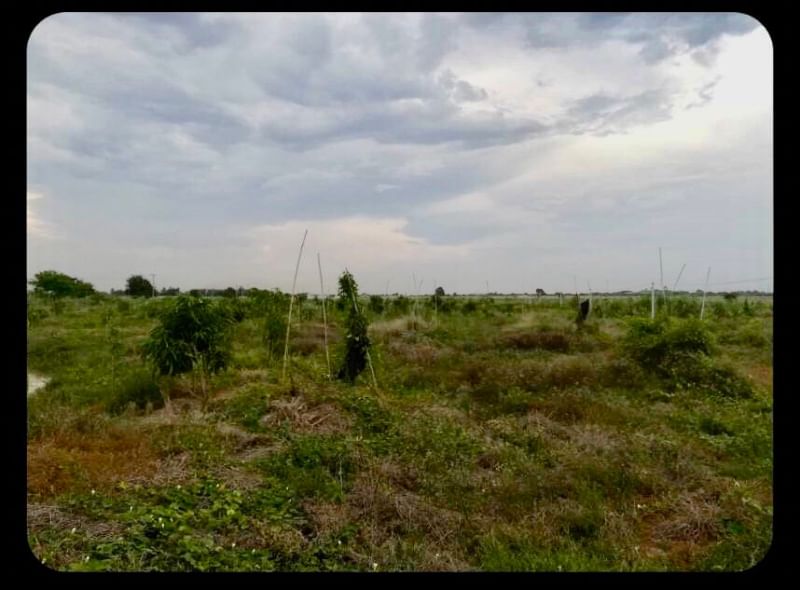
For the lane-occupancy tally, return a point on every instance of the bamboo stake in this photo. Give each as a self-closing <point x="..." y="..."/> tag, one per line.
<point x="652" y="301"/>
<point x="675" y="286"/>
<point x="703" y="305"/>
<point x="588" y="284"/>
<point x="291" y="302"/>
<point x="324" y="317"/>
<point x="369" y="359"/>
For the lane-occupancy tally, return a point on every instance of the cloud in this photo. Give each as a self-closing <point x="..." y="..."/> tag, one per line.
<point x="36" y="226"/>
<point x="166" y="136"/>
<point x="660" y="35"/>
<point x="604" y="114"/>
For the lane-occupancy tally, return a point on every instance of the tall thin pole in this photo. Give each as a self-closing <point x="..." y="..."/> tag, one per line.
<point x="414" y="307"/>
<point x="291" y="302"/>
<point x="369" y="359"/>
<point x="652" y="301"/>
<point x="703" y="305"/>
<point x="324" y="316"/>
<point x="675" y="286"/>
<point x="435" y="305"/>
<point x="661" y="271"/>
<point x="588" y="284"/>
<point x="153" y="285"/>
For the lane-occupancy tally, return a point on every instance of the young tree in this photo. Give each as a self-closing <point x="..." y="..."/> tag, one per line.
<point x="357" y="342"/>
<point x="192" y="337"/>
<point x="138" y="286"/>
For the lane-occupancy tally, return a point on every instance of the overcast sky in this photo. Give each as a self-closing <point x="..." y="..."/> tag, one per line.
<point x="523" y="150"/>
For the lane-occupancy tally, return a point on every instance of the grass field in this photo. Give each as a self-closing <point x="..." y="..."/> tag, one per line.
<point x="501" y="437"/>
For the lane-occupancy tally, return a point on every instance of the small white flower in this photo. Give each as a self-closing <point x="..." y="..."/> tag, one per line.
<point x="179" y="486"/>
<point x="374" y="565"/>
<point x="233" y="544"/>
<point x="92" y="492"/>
<point x="73" y="530"/>
<point x="86" y="558"/>
<point x="339" y="541"/>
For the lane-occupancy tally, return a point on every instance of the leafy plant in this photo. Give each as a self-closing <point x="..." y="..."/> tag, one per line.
<point x="192" y="336"/>
<point x="356" y="340"/>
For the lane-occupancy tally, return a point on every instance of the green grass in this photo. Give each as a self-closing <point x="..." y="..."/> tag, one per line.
<point x="501" y="438"/>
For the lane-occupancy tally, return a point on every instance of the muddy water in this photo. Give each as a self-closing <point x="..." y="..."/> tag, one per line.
<point x="36" y="382"/>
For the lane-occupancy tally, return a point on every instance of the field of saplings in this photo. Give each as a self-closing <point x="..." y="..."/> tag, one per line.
<point x="429" y="433"/>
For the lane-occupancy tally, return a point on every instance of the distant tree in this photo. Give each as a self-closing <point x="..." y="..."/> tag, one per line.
<point x="138" y="286"/>
<point x="540" y="292"/>
<point x="730" y="296"/>
<point x="229" y="292"/>
<point x="58" y="284"/>
<point x="170" y="291"/>
<point x="439" y="292"/>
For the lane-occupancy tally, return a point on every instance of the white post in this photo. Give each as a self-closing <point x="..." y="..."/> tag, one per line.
<point x="153" y="285"/>
<point x="291" y="302"/>
<point x="652" y="301"/>
<point x="703" y="304"/>
<point x="675" y="286"/>
<point x="414" y="307"/>
<point x="324" y="317"/>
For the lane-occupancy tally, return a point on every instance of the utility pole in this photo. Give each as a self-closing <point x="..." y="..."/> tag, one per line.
<point x="153" y="284"/>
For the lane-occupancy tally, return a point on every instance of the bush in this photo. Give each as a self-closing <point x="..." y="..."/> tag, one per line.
<point x="138" y="389"/>
<point x="658" y="344"/>
<point x="680" y="353"/>
<point x="192" y="336"/>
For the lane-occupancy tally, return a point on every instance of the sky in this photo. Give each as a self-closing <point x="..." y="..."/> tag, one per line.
<point x="479" y="152"/>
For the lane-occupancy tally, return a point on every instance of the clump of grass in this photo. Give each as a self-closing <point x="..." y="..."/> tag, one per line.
<point x="679" y="352"/>
<point x="139" y="390"/>
<point x="543" y="340"/>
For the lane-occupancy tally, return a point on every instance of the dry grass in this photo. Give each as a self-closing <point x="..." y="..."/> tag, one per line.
<point x="70" y="461"/>
<point x="303" y="417"/>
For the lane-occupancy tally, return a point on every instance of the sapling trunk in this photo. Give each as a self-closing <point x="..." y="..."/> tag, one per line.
<point x="291" y="302"/>
<point x="369" y="359"/>
<point x="324" y="318"/>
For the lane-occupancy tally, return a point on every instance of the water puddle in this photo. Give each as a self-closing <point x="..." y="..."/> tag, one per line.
<point x="36" y="382"/>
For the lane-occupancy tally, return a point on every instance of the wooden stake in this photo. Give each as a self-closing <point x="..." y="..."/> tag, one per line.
<point x="369" y="359"/>
<point x="291" y="302"/>
<point x="703" y="305"/>
<point x="652" y="301"/>
<point x="324" y="318"/>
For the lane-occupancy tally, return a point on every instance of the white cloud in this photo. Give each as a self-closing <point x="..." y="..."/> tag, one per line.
<point x="363" y="245"/>
<point x="36" y="226"/>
